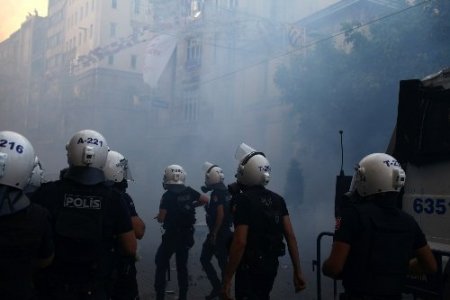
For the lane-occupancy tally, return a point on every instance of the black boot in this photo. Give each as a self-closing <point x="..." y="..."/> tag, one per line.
<point x="160" y="296"/>
<point x="214" y="294"/>
<point x="182" y="295"/>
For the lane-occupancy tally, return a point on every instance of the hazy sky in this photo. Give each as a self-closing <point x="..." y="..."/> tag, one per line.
<point x="13" y="13"/>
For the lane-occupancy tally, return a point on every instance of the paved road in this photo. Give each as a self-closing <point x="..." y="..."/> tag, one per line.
<point x="199" y="286"/>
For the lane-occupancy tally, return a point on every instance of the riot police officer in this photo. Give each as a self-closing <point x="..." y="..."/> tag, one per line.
<point x="261" y="221"/>
<point x="374" y="240"/>
<point x="87" y="217"/>
<point x="117" y="173"/>
<point x="177" y="214"/>
<point x="219" y="225"/>
<point x="25" y="232"/>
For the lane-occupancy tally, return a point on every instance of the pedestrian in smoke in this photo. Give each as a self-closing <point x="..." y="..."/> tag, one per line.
<point x="375" y="243"/>
<point x="177" y="215"/>
<point x="25" y="232"/>
<point x="219" y="225"/>
<point x="117" y="174"/>
<point x="88" y="217"/>
<point x="261" y="222"/>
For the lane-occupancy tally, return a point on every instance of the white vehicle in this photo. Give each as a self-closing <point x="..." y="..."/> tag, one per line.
<point x="421" y="143"/>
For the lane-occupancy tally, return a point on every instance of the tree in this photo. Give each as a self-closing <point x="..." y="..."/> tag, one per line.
<point x="357" y="90"/>
<point x="293" y="191"/>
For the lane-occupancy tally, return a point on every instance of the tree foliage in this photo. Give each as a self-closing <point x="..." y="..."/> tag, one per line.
<point x="356" y="90"/>
<point x="294" y="190"/>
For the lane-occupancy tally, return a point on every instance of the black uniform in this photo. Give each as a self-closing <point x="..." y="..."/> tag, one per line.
<point x="86" y="219"/>
<point x="24" y="237"/>
<point x="219" y="247"/>
<point x="383" y="240"/>
<point x="262" y="211"/>
<point x="125" y="285"/>
<point x="178" y="238"/>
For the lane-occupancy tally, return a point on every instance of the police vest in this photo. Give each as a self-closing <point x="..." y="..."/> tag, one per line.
<point x="20" y="240"/>
<point x="265" y="233"/>
<point x="79" y="222"/>
<point x="211" y="210"/>
<point x="182" y="210"/>
<point x="379" y="258"/>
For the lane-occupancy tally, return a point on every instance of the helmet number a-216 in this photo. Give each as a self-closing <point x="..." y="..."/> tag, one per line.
<point x="89" y="140"/>
<point x="11" y="145"/>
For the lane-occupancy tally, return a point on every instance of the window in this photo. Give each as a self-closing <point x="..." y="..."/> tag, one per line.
<point x="137" y="4"/>
<point x="111" y="60"/>
<point x="194" y="52"/>
<point x="114" y="3"/>
<point x="133" y="61"/>
<point x="91" y="31"/>
<point x="190" y="103"/>
<point x="112" y="29"/>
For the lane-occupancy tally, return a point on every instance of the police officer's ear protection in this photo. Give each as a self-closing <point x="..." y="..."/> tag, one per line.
<point x="88" y="155"/>
<point x="246" y="159"/>
<point x="398" y="178"/>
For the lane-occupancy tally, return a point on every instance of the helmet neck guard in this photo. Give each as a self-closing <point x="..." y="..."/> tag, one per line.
<point x="85" y="175"/>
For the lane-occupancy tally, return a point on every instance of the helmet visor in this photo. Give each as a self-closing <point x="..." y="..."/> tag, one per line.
<point x="128" y="175"/>
<point x="126" y="169"/>
<point x="207" y="166"/>
<point x="242" y="151"/>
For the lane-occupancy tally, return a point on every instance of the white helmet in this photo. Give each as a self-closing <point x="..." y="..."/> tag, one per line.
<point x="116" y="167"/>
<point x="37" y="175"/>
<point x="254" y="168"/>
<point x="378" y="173"/>
<point x="87" y="148"/>
<point x="16" y="159"/>
<point x="213" y="174"/>
<point x="174" y="174"/>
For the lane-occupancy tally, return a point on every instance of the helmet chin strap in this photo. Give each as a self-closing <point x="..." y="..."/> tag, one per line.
<point x="12" y="200"/>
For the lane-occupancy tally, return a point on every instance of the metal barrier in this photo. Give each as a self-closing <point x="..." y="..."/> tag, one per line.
<point x="318" y="264"/>
<point x="429" y="287"/>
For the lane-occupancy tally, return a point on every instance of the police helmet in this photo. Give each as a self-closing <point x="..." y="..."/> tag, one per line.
<point x="174" y="174"/>
<point x="87" y="148"/>
<point x="116" y="167"/>
<point x="17" y="159"/>
<point x="213" y="174"/>
<point x="378" y="173"/>
<point x="254" y="168"/>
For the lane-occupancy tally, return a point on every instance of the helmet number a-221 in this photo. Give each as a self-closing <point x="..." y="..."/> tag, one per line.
<point x="89" y="140"/>
<point x="11" y="145"/>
